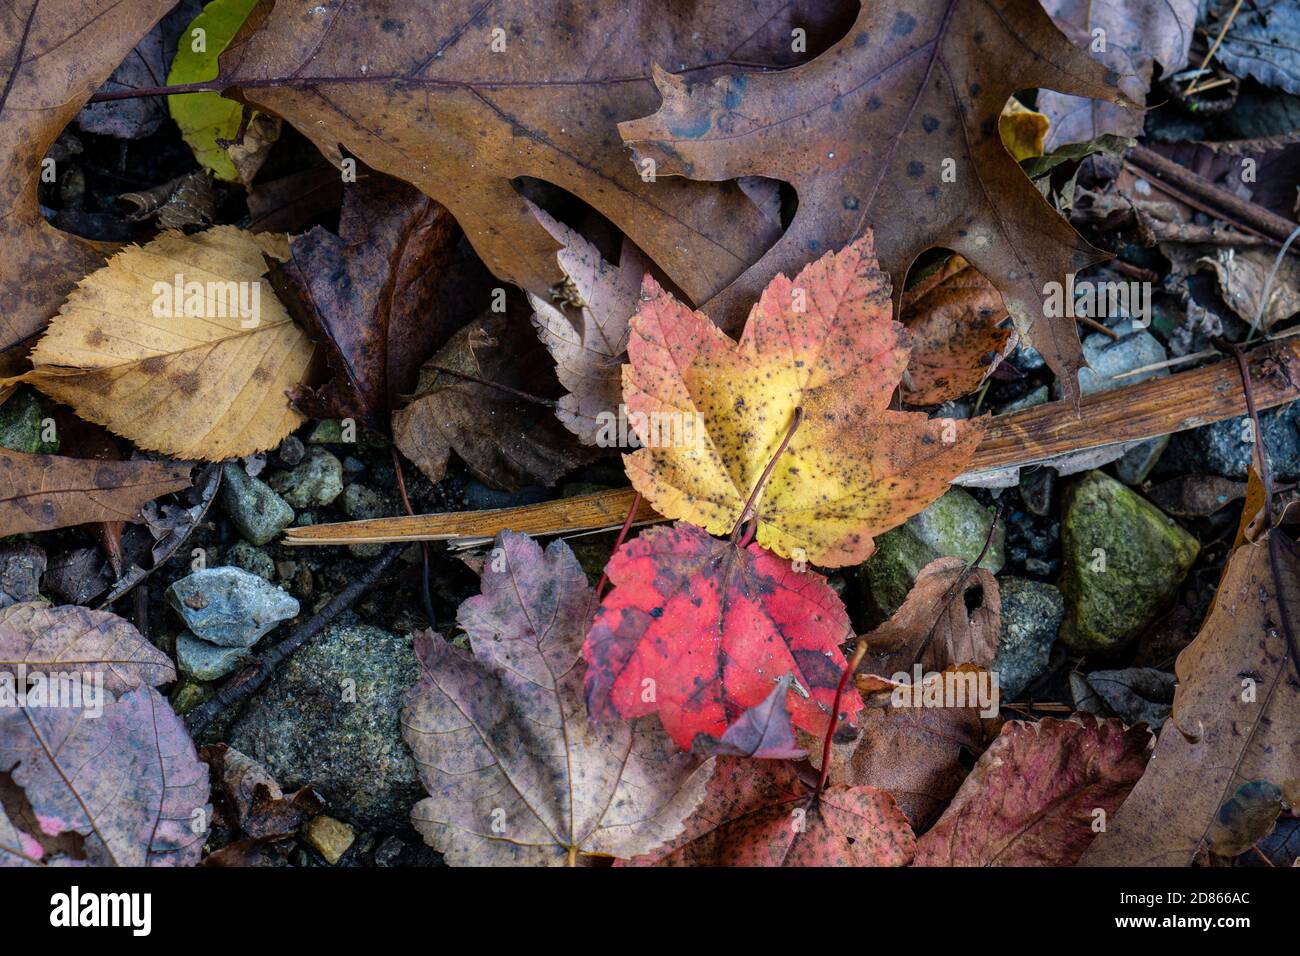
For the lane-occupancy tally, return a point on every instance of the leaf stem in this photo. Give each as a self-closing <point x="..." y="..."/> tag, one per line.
<point x="767" y="473"/>
<point x="622" y="534"/>
<point x="849" y="668"/>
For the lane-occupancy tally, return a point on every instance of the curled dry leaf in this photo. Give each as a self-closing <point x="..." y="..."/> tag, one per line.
<point x="949" y="617"/>
<point x="764" y="813"/>
<point x="719" y="412"/>
<point x="588" y="338"/>
<point x="95" y="645"/>
<point x="477" y="378"/>
<point x="884" y="120"/>
<point x="364" y="295"/>
<point x="450" y="109"/>
<point x="699" y="630"/>
<point x="53" y="55"/>
<point x="43" y="492"/>
<point x="250" y="799"/>
<point x="197" y="372"/>
<point x="1235" y="726"/>
<point x="1034" y="796"/>
<point x="763" y="731"/>
<point x="954" y="316"/>
<point x="517" y="772"/>
<point x="123" y="789"/>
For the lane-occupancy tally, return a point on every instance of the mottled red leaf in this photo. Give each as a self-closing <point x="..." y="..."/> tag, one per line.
<point x="698" y="630"/>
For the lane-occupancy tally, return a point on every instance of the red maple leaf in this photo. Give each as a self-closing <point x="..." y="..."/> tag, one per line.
<point x="699" y="630"/>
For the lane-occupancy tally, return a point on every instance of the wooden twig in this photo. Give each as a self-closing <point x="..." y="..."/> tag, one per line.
<point x="1202" y="194"/>
<point x="1158" y="406"/>
<point x="256" y="672"/>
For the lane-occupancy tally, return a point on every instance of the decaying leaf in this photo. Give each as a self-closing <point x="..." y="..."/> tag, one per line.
<point x="949" y="617"/>
<point x="1235" y="727"/>
<point x="94" y="645"/>
<point x="954" y="316"/>
<point x="588" y="338"/>
<point x="698" y="630"/>
<point x="1126" y="36"/>
<point x="1022" y="130"/>
<point x="364" y="294"/>
<point x="127" y="787"/>
<point x="763" y="732"/>
<point x="251" y="801"/>
<point x="43" y="492"/>
<point x="896" y="127"/>
<point x="506" y="440"/>
<point x="180" y="346"/>
<point x="1034" y="796"/>
<point x="718" y="411"/>
<point x="763" y="813"/>
<point x="516" y="771"/>
<point x="53" y="55"/>
<point x="461" y="101"/>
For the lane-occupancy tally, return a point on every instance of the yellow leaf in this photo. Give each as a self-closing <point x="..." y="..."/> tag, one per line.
<point x="714" y="413"/>
<point x="1022" y="130"/>
<point x="199" y="374"/>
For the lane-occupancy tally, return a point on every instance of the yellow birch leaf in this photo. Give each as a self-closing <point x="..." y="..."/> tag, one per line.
<point x="180" y="346"/>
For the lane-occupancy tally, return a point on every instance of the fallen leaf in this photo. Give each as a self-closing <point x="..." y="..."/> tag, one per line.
<point x="1263" y="43"/>
<point x="53" y="54"/>
<point x="463" y="102"/>
<point x="364" y="294"/>
<point x="251" y="801"/>
<point x="208" y="121"/>
<point x="1022" y="130"/>
<point x="1242" y="276"/>
<point x="762" y="813"/>
<point x="698" y="630"/>
<point x="128" y="783"/>
<point x="587" y="336"/>
<point x="1034" y="796"/>
<point x="43" y="492"/>
<point x="506" y="440"/>
<point x="1196" y="496"/>
<point x="516" y="771"/>
<point x="824" y="343"/>
<point x="872" y="132"/>
<point x="1127" y="37"/>
<point x="1234" y="722"/>
<point x="954" y="317"/>
<point x="184" y="373"/>
<point x="949" y="617"/>
<point x="763" y="731"/>
<point x="1134" y="695"/>
<point x="94" y="645"/>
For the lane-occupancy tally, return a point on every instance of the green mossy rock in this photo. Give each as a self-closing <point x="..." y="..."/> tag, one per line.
<point x="1146" y="557"/>
<point x="955" y="525"/>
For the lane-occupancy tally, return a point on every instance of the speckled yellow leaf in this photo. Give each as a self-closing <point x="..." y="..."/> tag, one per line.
<point x="713" y="413"/>
<point x="203" y="374"/>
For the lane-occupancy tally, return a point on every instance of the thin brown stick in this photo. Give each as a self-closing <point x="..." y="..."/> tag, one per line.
<point x="255" y="674"/>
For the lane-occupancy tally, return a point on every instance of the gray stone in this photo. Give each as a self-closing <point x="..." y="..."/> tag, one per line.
<point x="956" y="524"/>
<point x="1031" y="614"/>
<point x="291" y="451"/>
<point x="251" y="559"/>
<point x="1037" y="396"/>
<point x="257" y="512"/>
<point x="1224" y="448"/>
<point x="201" y="660"/>
<point x="360" y="502"/>
<point x="479" y="497"/>
<point x="329" y="719"/>
<point x="1109" y="357"/>
<point x="1124" y="560"/>
<point x="21" y="567"/>
<point x="230" y="606"/>
<point x="1133" y="468"/>
<point x="314" y="482"/>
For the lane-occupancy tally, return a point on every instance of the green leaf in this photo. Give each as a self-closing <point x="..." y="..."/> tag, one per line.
<point x="206" y="117"/>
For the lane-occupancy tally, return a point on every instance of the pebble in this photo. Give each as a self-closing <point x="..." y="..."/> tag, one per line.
<point x="314" y="482"/>
<point x="258" y="513"/>
<point x="229" y="606"/>
<point x="331" y="838"/>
